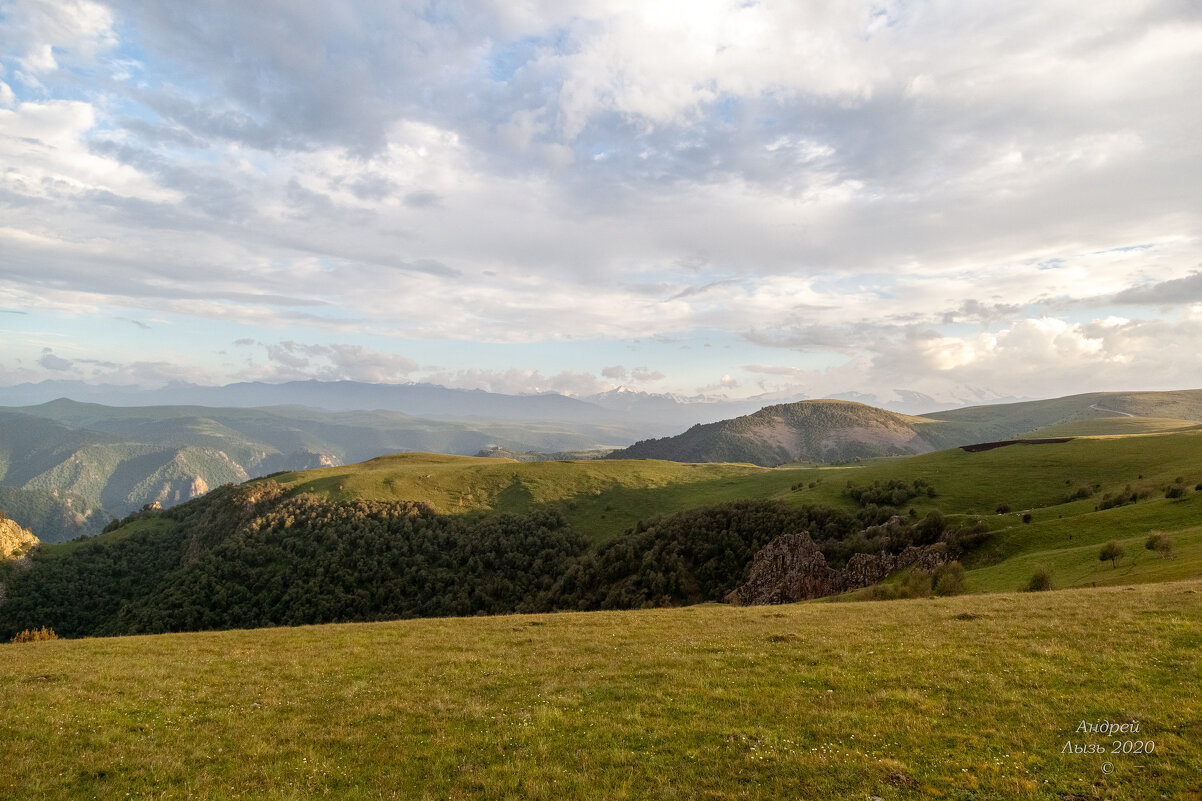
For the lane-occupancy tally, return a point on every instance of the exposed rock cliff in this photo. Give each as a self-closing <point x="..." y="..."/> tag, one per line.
<point x="15" y="541"/>
<point x="792" y="568"/>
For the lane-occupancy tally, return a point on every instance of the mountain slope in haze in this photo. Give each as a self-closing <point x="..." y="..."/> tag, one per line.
<point x="67" y="468"/>
<point x="361" y="543"/>
<point x="675" y="412"/>
<point x="811" y="431"/>
<point x="1006" y="420"/>
<point x="662" y="413"/>
<point x="420" y="400"/>
<point x="832" y="431"/>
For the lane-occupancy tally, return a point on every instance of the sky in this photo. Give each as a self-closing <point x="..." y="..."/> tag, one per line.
<point x="968" y="200"/>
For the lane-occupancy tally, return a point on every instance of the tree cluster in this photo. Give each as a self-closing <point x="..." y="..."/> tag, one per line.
<point x="251" y="556"/>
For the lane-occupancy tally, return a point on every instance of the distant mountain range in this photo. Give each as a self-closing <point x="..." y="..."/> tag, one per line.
<point x="656" y="413"/>
<point x="67" y="468"/>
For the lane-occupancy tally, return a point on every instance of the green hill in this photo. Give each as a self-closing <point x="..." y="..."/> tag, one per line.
<point x="601" y="498"/>
<point x="826" y="431"/>
<point x="965" y="697"/>
<point x="399" y="536"/>
<point x="831" y="432"/>
<point x="1008" y="420"/>
<point x="67" y="468"/>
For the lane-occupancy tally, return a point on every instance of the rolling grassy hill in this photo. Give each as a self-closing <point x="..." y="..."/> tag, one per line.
<point x="973" y="697"/>
<point x="810" y="431"/>
<point x="604" y="498"/>
<point x="828" y="431"/>
<point x="68" y="468"/>
<point x="967" y="697"/>
<point x="1008" y="420"/>
<point x="600" y="498"/>
<point x="608" y="534"/>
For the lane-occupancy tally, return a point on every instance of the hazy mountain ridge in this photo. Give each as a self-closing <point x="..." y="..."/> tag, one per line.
<point x="358" y="543"/>
<point x="421" y="400"/>
<point x="667" y="411"/>
<point x="66" y="468"/>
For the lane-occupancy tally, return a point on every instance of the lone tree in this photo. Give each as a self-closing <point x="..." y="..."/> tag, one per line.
<point x="1111" y="552"/>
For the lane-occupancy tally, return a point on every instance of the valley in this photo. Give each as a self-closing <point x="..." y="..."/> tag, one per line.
<point x="577" y="628"/>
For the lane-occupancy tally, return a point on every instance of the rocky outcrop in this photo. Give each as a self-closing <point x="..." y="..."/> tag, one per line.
<point x="15" y="541"/>
<point x="792" y="568"/>
<point x="15" y="545"/>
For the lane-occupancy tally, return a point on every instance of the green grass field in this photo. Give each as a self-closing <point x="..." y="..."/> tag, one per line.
<point x="1114" y="426"/>
<point x="603" y="498"/>
<point x="600" y="498"/>
<point x="964" y="698"/>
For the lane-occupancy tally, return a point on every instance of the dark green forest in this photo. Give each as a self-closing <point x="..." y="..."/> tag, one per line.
<point x="251" y="555"/>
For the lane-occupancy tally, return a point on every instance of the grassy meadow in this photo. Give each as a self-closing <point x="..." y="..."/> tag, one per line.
<point x="603" y="498"/>
<point x="600" y="498"/>
<point x="968" y="698"/>
<point x="971" y="697"/>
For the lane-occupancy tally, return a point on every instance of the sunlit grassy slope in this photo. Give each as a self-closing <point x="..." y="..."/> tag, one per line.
<point x="601" y="498"/>
<point x="973" y="697"/>
<point x="604" y="498"/>
<point x="1114" y="426"/>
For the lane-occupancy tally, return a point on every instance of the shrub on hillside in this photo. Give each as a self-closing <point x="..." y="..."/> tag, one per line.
<point x="1041" y="580"/>
<point x="967" y="537"/>
<point x="891" y="493"/>
<point x="931" y="528"/>
<point x="917" y="584"/>
<point x="35" y="635"/>
<point x="948" y="579"/>
<point x="1112" y="552"/>
<point x="1160" y="542"/>
<point x="1128" y="495"/>
<point x="1080" y="495"/>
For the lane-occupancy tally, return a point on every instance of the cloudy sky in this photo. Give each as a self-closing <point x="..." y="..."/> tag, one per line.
<point x="968" y="200"/>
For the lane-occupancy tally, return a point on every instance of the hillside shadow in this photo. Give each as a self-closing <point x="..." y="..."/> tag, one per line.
<point x="127" y="475"/>
<point x="608" y="512"/>
<point x="517" y="497"/>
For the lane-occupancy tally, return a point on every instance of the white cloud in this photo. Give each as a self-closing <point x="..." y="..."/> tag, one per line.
<point x="617" y="372"/>
<point x="48" y="157"/>
<point x="290" y="360"/>
<point x="35" y="29"/>
<point x="521" y="381"/>
<point x="925" y="187"/>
